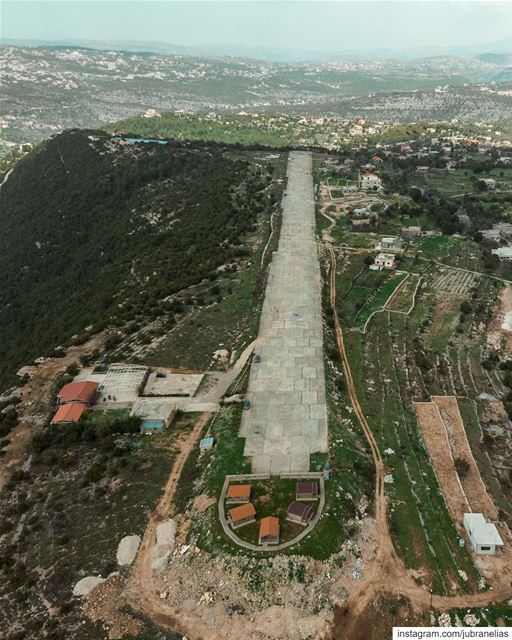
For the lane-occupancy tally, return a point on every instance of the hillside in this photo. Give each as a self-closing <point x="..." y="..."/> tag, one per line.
<point x="98" y="233"/>
<point x="76" y="87"/>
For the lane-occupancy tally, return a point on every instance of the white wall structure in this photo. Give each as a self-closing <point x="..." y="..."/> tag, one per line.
<point x="484" y="536"/>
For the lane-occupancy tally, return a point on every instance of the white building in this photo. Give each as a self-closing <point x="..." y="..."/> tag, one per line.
<point x="484" y="536"/>
<point x="151" y="113"/>
<point x="370" y="181"/>
<point x="503" y="253"/>
<point x="490" y="183"/>
<point x="385" y="261"/>
<point x="491" y="235"/>
<point x="390" y="244"/>
<point x="504" y="229"/>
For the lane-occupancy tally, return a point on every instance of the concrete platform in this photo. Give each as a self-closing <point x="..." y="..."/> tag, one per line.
<point x="287" y="420"/>
<point x="174" y="384"/>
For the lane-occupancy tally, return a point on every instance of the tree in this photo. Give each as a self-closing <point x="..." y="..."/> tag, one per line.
<point x="465" y="307"/>
<point x="462" y="467"/>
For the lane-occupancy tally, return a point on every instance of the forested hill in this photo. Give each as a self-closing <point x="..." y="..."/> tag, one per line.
<point x="95" y="232"/>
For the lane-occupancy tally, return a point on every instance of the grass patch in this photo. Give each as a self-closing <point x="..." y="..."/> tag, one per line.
<point x="378" y="299"/>
<point x="271" y="498"/>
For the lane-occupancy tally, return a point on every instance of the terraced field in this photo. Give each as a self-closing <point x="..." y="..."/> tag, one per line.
<point x="451" y="281"/>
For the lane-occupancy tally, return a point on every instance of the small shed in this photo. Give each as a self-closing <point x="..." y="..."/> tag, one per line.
<point x="306" y="491"/>
<point x="238" y="493"/>
<point x="483" y="535"/>
<point x="269" y="530"/>
<point x="242" y="515"/>
<point x="207" y="443"/>
<point x="299" y="512"/>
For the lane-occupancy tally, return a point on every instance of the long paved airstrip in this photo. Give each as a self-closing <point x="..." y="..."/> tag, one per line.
<point x="287" y="420"/>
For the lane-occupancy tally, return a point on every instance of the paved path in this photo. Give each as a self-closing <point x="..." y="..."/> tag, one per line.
<point x="287" y="420"/>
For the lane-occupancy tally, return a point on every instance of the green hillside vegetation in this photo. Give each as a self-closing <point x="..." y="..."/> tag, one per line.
<point x="240" y="130"/>
<point x="96" y="233"/>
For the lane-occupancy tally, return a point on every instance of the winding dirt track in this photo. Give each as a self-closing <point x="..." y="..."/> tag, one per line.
<point x="386" y="573"/>
<point x="140" y="590"/>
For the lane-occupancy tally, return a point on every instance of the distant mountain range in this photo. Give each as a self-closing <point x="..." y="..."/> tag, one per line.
<point x="501" y="49"/>
<point x="49" y="88"/>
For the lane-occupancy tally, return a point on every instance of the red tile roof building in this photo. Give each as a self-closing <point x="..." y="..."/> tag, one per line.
<point x="244" y="514"/>
<point x="269" y="530"/>
<point x="238" y="493"/>
<point x="81" y="391"/>
<point x="69" y="412"/>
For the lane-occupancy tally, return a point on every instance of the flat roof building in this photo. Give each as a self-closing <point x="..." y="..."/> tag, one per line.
<point x="392" y="244"/>
<point x="483" y="535"/>
<point x="269" y="530"/>
<point x="503" y="253"/>
<point x="491" y="235"/>
<point x="156" y="414"/>
<point x="411" y="232"/>
<point x="385" y="261"/>
<point x="504" y="229"/>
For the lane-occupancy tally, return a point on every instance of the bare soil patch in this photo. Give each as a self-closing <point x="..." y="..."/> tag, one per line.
<point x="473" y="485"/>
<point x="438" y="445"/>
<point x="103" y="604"/>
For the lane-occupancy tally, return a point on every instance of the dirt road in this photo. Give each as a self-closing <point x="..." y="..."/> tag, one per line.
<point x="140" y="591"/>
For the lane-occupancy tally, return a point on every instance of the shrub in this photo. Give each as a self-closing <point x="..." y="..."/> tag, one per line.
<point x="462" y="467"/>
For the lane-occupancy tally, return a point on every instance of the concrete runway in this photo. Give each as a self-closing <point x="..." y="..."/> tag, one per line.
<point x="287" y="420"/>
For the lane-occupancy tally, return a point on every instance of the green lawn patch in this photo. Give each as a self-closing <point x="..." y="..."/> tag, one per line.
<point x="378" y="299"/>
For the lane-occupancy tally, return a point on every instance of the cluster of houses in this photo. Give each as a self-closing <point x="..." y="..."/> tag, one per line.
<point x="298" y="511"/>
<point x="152" y="396"/>
<point x="73" y="400"/>
<point x="500" y="232"/>
<point x="388" y="248"/>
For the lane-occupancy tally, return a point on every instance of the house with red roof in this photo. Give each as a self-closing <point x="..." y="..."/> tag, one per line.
<point x="69" y="412"/>
<point x="82" y="391"/>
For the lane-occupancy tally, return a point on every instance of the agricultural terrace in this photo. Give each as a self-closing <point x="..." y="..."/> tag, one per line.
<point x="438" y="348"/>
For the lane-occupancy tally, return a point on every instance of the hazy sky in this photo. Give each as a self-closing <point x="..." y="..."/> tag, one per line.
<point x="313" y="25"/>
